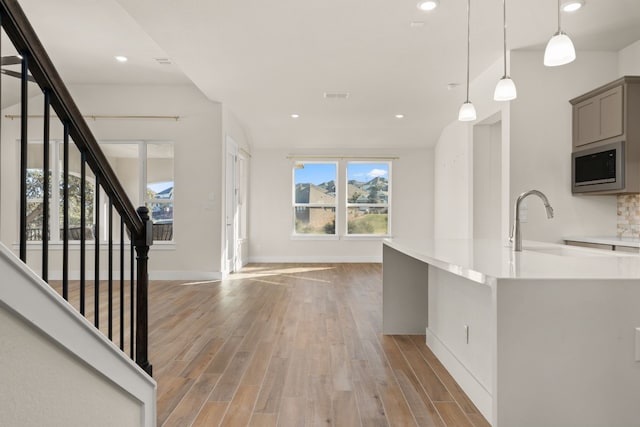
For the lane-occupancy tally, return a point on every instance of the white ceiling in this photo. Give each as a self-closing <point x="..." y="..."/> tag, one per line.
<point x="267" y="60"/>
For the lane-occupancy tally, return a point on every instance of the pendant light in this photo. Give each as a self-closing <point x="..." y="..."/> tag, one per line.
<point x="560" y="50"/>
<point x="467" y="111"/>
<point x="506" y="88"/>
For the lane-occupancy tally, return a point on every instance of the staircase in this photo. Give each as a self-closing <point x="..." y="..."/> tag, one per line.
<point x="114" y="298"/>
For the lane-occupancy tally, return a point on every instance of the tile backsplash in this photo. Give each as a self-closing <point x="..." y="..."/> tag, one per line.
<point x="628" y="215"/>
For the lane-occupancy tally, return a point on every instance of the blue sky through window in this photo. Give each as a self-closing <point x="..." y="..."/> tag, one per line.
<point x="315" y="173"/>
<point x="158" y="187"/>
<point x="365" y="172"/>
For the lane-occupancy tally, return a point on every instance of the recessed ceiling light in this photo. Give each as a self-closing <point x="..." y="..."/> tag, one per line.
<point x="336" y="95"/>
<point x="451" y="86"/>
<point x="399" y="116"/>
<point x="428" y="5"/>
<point x="163" y="61"/>
<point x="295" y="116"/>
<point x="572" y="6"/>
<point x="416" y="24"/>
<point x="121" y="58"/>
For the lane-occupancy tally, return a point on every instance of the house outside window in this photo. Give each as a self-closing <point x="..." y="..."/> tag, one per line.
<point x="341" y="199"/>
<point x="314" y="198"/>
<point x="145" y="170"/>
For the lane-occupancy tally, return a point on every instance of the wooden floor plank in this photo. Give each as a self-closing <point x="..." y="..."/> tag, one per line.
<point x="187" y="410"/>
<point x="452" y="414"/>
<point x="292" y="412"/>
<point x="211" y="414"/>
<point x="241" y="408"/>
<point x="436" y="391"/>
<point x="292" y="344"/>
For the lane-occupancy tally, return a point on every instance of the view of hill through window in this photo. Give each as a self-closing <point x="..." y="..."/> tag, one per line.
<point x="367" y="198"/>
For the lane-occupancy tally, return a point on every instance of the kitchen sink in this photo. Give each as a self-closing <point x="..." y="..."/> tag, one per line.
<point x="572" y="251"/>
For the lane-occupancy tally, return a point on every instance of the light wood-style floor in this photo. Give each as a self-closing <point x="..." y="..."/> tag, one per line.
<point x="293" y="345"/>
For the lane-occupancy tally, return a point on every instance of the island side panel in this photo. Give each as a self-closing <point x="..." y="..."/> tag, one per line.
<point x="404" y="293"/>
<point x="565" y="352"/>
<point x="461" y="333"/>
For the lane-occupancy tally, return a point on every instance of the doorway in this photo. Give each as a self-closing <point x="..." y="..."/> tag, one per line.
<point x="231" y="207"/>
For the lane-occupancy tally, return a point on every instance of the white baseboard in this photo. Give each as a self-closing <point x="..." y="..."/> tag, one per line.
<point x="184" y="275"/>
<point x="315" y="259"/>
<point x="153" y="275"/>
<point x="478" y="394"/>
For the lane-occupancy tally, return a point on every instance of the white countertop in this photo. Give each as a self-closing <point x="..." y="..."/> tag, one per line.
<point x="630" y="242"/>
<point x="484" y="261"/>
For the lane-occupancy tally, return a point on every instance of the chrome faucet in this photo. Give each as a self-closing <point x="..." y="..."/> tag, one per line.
<point x="515" y="230"/>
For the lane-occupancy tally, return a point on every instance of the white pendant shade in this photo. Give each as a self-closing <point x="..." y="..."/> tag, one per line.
<point x="467" y="112"/>
<point x="505" y="90"/>
<point x="559" y="51"/>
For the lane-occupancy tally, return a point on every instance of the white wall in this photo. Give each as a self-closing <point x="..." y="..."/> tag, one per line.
<point x="629" y="60"/>
<point x="452" y="194"/>
<point x="43" y="385"/>
<point x="536" y="147"/>
<point x="487" y="181"/>
<point x="197" y="135"/>
<point x="271" y="211"/>
<point x="57" y="369"/>
<point x="541" y="144"/>
<point x="454" y="160"/>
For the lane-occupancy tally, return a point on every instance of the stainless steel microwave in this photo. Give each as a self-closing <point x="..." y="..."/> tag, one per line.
<point x="598" y="169"/>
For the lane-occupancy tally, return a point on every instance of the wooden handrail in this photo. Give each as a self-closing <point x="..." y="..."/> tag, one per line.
<point x="37" y="61"/>
<point x="25" y="40"/>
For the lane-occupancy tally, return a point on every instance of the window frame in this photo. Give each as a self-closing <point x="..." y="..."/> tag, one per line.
<point x="56" y="169"/>
<point x="310" y="236"/>
<point x="55" y="181"/>
<point x="367" y="205"/>
<point x="342" y="204"/>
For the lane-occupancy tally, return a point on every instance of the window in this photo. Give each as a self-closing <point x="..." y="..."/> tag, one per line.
<point x="314" y="198"/>
<point x="367" y="198"/>
<point x="36" y="193"/>
<point x="321" y="210"/>
<point x="145" y="170"/>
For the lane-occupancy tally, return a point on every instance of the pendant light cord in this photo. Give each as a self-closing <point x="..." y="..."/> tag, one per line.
<point x="559" y="17"/>
<point x="469" y="42"/>
<point x="504" y="19"/>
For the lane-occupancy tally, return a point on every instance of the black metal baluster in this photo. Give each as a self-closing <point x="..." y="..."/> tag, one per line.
<point x="65" y="212"/>
<point x="83" y="222"/>
<point x="132" y="318"/>
<point x="110" y="334"/>
<point x="24" y="113"/>
<point x="96" y="275"/>
<point x="121" y="284"/>
<point x="46" y="184"/>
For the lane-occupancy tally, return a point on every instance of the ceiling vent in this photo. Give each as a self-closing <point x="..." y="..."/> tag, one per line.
<point x="163" y="61"/>
<point x="336" y="95"/>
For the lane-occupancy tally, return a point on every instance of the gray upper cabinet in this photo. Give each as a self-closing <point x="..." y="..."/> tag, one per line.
<point x="598" y="118"/>
<point x="602" y="118"/>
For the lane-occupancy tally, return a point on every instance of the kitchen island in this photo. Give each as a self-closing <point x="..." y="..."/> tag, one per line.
<point x="549" y="336"/>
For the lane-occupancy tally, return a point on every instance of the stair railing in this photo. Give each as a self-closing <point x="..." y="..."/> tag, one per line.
<point x="137" y="222"/>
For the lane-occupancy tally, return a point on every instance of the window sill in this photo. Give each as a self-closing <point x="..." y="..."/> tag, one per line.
<point x="366" y="236"/>
<point x="348" y="237"/>
<point x="313" y="237"/>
